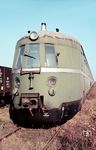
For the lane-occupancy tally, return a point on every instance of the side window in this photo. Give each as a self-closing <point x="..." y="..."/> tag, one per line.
<point x="20" y="57"/>
<point x="50" y="55"/>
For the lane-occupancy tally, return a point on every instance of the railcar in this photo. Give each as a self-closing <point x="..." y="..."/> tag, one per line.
<point x="5" y="85"/>
<point x="50" y="76"/>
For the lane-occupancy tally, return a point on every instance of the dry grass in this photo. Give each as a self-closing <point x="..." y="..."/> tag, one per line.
<point x="79" y="133"/>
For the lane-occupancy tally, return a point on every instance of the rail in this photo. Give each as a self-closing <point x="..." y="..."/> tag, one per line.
<point x="8" y="130"/>
<point x="52" y="138"/>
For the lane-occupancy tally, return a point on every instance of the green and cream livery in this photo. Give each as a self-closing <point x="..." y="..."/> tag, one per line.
<point x="50" y="76"/>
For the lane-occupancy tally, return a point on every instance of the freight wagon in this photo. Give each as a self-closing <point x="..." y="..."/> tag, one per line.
<point x="5" y="85"/>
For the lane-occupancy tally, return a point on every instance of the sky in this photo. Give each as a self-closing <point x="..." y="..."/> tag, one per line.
<point x="73" y="17"/>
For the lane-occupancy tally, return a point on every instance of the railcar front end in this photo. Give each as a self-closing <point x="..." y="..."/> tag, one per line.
<point x="49" y="77"/>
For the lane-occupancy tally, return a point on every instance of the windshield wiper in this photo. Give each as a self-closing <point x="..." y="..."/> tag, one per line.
<point x="29" y="56"/>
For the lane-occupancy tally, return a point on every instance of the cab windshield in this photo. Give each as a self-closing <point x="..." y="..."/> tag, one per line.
<point x="20" y="57"/>
<point x="28" y="56"/>
<point x="33" y="59"/>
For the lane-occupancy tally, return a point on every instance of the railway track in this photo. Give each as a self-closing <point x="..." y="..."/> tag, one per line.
<point x="7" y="130"/>
<point x="40" y="139"/>
<point x="52" y="138"/>
<point x="12" y="135"/>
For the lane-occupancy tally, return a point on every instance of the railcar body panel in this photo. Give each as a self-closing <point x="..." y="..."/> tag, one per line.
<point x="63" y="88"/>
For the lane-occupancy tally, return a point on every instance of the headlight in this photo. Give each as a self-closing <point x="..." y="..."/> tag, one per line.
<point x="51" y="92"/>
<point x="17" y="81"/>
<point x="33" y="35"/>
<point x="51" y="81"/>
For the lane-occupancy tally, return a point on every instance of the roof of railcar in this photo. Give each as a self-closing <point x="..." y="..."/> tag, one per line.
<point x="57" y="35"/>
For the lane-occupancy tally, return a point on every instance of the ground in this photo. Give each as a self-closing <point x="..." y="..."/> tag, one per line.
<point x="79" y="133"/>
